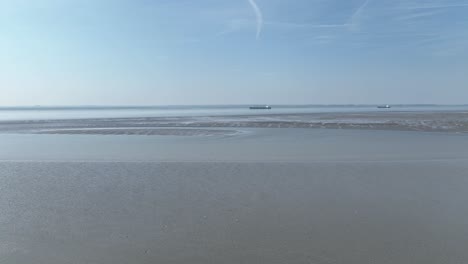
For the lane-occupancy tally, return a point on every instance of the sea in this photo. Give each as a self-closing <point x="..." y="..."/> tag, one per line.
<point x="77" y="112"/>
<point x="268" y="195"/>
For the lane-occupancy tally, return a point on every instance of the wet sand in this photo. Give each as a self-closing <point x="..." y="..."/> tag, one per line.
<point x="142" y="131"/>
<point x="448" y="121"/>
<point x="198" y="193"/>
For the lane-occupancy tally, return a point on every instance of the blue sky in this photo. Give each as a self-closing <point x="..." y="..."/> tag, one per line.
<point x="161" y="52"/>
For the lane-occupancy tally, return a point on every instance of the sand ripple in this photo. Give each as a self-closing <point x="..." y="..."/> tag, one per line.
<point x="142" y="131"/>
<point x="210" y="125"/>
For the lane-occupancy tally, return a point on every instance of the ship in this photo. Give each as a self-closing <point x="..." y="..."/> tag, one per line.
<point x="262" y="107"/>
<point x="384" y="106"/>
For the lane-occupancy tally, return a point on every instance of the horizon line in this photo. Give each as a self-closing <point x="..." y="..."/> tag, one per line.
<point x="218" y="105"/>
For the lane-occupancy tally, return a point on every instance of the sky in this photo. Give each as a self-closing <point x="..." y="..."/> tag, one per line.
<point x="194" y="52"/>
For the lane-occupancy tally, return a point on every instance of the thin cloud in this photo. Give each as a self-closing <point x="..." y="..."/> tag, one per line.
<point x="235" y="25"/>
<point x="437" y="6"/>
<point x="356" y="17"/>
<point x="290" y="25"/>
<point x="417" y="16"/>
<point x="258" y="15"/>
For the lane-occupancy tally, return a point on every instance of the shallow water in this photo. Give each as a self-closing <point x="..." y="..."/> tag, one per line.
<point x="249" y="145"/>
<point x="115" y="213"/>
<point x="285" y="195"/>
<point x="48" y="113"/>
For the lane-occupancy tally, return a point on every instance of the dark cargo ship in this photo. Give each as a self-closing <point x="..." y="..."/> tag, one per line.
<point x="384" y="106"/>
<point x="263" y="107"/>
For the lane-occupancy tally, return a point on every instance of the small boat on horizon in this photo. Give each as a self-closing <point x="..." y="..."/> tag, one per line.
<point x="384" y="106"/>
<point x="262" y="107"/>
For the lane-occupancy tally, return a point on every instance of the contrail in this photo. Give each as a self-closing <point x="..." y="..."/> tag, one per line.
<point x="259" y="15"/>
<point x="357" y="14"/>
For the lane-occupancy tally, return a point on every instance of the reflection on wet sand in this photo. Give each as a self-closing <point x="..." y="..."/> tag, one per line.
<point x="449" y="121"/>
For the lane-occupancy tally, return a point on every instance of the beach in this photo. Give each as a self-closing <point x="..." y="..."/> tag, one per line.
<point x="195" y="190"/>
<point x="428" y="121"/>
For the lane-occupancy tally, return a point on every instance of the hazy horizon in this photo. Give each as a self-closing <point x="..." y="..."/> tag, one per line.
<point x="218" y="105"/>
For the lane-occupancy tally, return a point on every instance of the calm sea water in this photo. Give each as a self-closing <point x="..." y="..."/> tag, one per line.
<point x="264" y="196"/>
<point x="250" y="145"/>
<point x="42" y="113"/>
